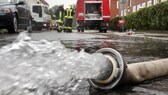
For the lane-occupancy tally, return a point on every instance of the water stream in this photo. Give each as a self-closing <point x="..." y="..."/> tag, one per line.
<point x="43" y="67"/>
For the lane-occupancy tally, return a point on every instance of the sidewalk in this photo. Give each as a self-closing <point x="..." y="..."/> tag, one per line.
<point x="162" y="35"/>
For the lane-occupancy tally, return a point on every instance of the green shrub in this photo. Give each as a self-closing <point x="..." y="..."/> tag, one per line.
<point x="113" y="23"/>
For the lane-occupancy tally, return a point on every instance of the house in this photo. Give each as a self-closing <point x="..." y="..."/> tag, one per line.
<point x="124" y="7"/>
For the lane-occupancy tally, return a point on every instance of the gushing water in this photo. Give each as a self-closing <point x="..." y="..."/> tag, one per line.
<point x="30" y="67"/>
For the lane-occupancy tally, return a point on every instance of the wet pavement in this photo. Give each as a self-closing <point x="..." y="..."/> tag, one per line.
<point x="138" y="47"/>
<point x="6" y="39"/>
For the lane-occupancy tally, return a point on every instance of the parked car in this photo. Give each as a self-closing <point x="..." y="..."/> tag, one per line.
<point x="14" y="15"/>
<point x="41" y="16"/>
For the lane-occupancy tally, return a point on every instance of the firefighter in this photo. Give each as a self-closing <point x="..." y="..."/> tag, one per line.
<point x="60" y="17"/>
<point x="51" y="24"/>
<point x="69" y="12"/>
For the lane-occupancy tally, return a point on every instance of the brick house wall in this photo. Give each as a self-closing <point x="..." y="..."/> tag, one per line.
<point x="134" y="5"/>
<point x="130" y="6"/>
<point x="113" y="8"/>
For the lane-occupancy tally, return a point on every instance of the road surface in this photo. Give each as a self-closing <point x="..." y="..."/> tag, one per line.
<point x="134" y="48"/>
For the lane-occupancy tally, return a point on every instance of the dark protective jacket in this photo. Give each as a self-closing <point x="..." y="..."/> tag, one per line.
<point x="59" y="13"/>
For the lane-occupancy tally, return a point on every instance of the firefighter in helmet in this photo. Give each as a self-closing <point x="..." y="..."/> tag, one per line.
<point x="60" y="17"/>
<point x="69" y="12"/>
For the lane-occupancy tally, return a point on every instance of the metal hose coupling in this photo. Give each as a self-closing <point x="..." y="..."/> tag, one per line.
<point x="113" y="74"/>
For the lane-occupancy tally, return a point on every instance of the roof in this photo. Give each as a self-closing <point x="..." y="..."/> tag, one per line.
<point x="44" y="2"/>
<point x="39" y="5"/>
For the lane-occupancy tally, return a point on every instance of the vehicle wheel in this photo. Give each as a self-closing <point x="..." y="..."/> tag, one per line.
<point x="59" y="30"/>
<point x="70" y="30"/>
<point x="82" y="30"/>
<point x="65" y="30"/>
<point x="29" y="28"/>
<point x="105" y="30"/>
<point x="100" y="30"/>
<point x="78" y="30"/>
<point x="48" y="26"/>
<point x="14" y="27"/>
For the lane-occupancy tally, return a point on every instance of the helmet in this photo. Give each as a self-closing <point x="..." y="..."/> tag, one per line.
<point x="71" y="6"/>
<point x="61" y="5"/>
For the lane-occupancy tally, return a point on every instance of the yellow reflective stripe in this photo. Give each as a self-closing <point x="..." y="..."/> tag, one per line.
<point x="60" y="21"/>
<point x="70" y="13"/>
<point x="65" y="27"/>
<point x="66" y="14"/>
<point x="69" y="27"/>
<point x="60" y="14"/>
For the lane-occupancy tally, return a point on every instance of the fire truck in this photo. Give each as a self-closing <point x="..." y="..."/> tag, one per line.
<point x="92" y="14"/>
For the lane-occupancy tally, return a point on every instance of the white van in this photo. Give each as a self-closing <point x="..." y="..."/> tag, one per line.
<point x="41" y="16"/>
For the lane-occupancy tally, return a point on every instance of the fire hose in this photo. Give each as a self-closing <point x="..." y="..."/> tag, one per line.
<point x="119" y="73"/>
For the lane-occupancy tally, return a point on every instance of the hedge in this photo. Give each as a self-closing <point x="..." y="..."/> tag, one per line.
<point x="150" y="18"/>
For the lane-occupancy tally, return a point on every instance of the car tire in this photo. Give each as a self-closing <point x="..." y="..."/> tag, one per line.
<point x="105" y="30"/>
<point x="14" y="26"/>
<point x="48" y="26"/>
<point x="100" y="31"/>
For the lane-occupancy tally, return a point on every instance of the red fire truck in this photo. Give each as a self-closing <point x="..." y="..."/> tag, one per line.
<point x="92" y="14"/>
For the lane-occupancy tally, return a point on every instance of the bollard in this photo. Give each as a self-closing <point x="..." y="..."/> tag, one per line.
<point x="122" y="73"/>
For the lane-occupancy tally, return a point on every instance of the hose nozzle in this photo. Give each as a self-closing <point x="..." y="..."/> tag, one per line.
<point x="113" y="73"/>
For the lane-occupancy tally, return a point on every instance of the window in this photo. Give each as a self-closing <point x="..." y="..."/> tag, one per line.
<point x="21" y="1"/>
<point x="155" y="2"/>
<point x="10" y="1"/>
<point x="144" y="5"/>
<point x="46" y="10"/>
<point x="117" y="4"/>
<point x="122" y="1"/>
<point x="38" y="10"/>
<point x="163" y="0"/>
<point x="122" y="12"/>
<point x="134" y="9"/>
<point x="149" y="3"/>
<point x="91" y="8"/>
<point x="125" y="12"/>
<point x="139" y="7"/>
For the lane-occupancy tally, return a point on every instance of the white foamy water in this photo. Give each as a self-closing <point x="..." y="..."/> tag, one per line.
<point x="45" y="68"/>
